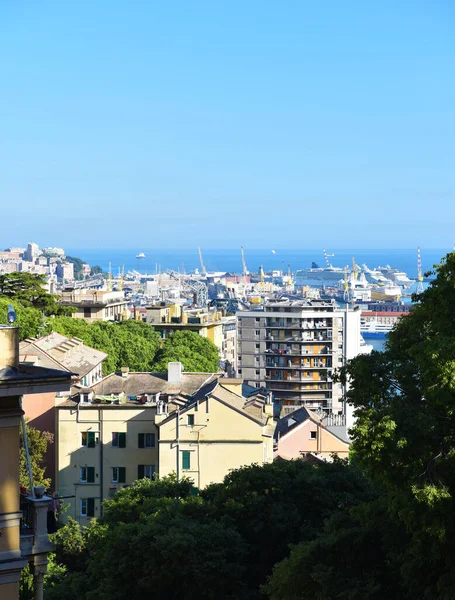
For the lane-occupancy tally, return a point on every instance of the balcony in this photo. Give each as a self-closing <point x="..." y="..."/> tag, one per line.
<point x="34" y="538"/>
<point x="300" y="352"/>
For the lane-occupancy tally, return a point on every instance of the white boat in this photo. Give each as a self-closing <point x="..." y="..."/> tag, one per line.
<point x="140" y="255"/>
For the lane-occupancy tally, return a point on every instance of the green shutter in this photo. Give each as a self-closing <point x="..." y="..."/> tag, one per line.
<point x="140" y="440"/>
<point x="121" y="474"/>
<point x="90" y="439"/>
<point x="122" y="440"/>
<point x="90" y="474"/>
<point x="140" y="471"/>
<point x="186" y="459"/>
<point x="90" y="507"/>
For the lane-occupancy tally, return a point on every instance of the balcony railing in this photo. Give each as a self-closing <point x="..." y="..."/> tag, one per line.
<point x="33" y="527"/>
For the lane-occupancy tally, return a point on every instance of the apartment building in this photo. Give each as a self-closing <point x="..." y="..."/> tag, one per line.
<point x="95" y="305"/>
<point x="23" y="517"/>
<point x="293" y="346"/>
<point x="132" y="425"/>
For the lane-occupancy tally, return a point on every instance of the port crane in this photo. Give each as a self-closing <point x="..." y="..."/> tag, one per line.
<point x="194" y="286"/>
<point x="122" y="277"/>
<point x="203" y="269"/>
<point x="419" y="288"/>
<point x="109" y="278"/>
<point x="345" y="285"/>
<point x="245" y="270"/>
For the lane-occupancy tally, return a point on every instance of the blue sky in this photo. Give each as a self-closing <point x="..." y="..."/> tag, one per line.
<point x="292" y="124"/>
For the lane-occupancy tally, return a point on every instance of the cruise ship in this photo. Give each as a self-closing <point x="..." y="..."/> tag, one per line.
<point x="140" y="255"/>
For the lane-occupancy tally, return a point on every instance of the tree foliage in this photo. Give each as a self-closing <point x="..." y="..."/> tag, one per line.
<point x="196" y="353"/>
<point x="31" y="321"/>
<point x="38" y="442"/>
<point x="28" y="289"/>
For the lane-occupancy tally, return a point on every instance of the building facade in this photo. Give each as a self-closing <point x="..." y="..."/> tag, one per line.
<point x="95" y="305"/>
<point x="132" y="425"/>
<point x="292" y="348"/>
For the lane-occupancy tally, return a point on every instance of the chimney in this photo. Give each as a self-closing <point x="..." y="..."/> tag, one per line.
<point x="174" y="372"/>
<point x="125" y="371"/>
<point x="9" y="347"/>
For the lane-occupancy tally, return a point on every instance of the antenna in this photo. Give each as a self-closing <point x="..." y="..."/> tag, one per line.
<point x="419" y="288"/>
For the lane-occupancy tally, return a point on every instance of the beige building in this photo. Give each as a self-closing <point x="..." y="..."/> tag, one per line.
<point x="23" y="517"/>
<point x="132" y="425"/>
<point x="167" y="318"/>
<point x="96" y="305"/>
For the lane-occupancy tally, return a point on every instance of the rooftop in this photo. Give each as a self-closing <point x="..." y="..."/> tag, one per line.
<point x="56" y="350"/>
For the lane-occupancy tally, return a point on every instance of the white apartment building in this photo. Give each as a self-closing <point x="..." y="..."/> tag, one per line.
<point x="293" y="346"/>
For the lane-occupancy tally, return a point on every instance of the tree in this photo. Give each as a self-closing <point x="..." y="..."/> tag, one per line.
<point x="196" y="353"/>
<point x="28" y="289"/>
<point x="31" y="321"/>
<point x="96" y="270"/>
<point x="38" y="442"/>
<point x="404" y="438"/>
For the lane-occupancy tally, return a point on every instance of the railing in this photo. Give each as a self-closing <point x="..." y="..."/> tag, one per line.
<point x="26" y="527"/>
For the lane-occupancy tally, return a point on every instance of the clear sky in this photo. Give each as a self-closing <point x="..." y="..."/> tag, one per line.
<point x="287" y="124"/>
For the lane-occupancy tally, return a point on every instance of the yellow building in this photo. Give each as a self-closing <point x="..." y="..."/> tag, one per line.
<point x="23" y="519"/>
<point x="132" y="425"/>
<point x="167" y="318"/>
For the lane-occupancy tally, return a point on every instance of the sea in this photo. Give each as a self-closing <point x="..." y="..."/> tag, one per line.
<point x="159" y="260"/>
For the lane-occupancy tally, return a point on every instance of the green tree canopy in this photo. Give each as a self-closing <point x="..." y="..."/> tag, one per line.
<point x="31" y="321"/>
<point x="38" y="442"/>
<point x="28" y="289"/>
<point x="196" y="353"/>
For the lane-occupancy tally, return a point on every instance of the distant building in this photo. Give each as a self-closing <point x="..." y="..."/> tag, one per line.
<point x="32" y="252"/>
<point x="133" y="425"/>
<point x="54" y="251"/>
<point x="302" y="431"/>
<point x="95" y="305"/>
<point x="86" y="270"/>
<point x="65" y="271"/>
<point x="292" y="347"/>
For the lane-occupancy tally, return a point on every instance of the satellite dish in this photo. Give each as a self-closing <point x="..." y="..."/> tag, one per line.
<point x="11" y="314"/>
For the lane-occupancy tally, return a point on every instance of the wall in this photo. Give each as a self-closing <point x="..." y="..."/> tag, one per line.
<point x="72" y="455"/>
<point x="221" y="439"/>
<point x="298" y="441"/>
<point x="39" y="411"/>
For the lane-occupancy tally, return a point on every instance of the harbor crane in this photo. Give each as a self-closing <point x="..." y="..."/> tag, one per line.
<point x="419" y="288"/>
<point x="193" y="286"/>
<point x="345" y="285"/>
<point x="245" y="270"/>
<point x="109" y="278"/>
<point x="203" y="269"/>
<point x="122" y="277"/>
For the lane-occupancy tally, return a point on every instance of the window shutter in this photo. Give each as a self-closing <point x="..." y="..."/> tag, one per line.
<point x="140" y="440"/>
<point x="122" y="440"/>
<point x="90" y="507"/>
<point x="153" y="440"/>
<point x="185" y="459"/>
<point x="140" y="471"/>
<point x="90" y="474"/>
<point x="90" y="439"/>
<point x="121" y="474"/>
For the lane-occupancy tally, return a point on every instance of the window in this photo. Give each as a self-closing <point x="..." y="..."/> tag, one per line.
<point x="239" y="371"/>
<point x="87" y="507"/>
<point x="119" y="439"/>
<point x="89" y="439"/>
<point x="190" y="419"/>
<point x="257" y="346"/>
<point x="145" y="471"/>
<point x="186" y="459"/>
<point x="312" y="435"/>
<point x="87" y="313"/>
<point x="87" y="475"/>
<point x="257" y="332"/>
<point x="146" y="440"/>
<point x="118" y="474"/>
<point x="257" y="319"/>
<point x="257" y="372"/>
